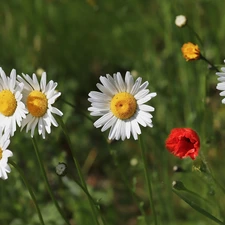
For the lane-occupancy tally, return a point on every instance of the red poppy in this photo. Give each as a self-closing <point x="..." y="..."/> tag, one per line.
<point x="183" y="142"/>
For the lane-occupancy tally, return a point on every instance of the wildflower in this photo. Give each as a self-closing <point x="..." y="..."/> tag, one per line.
<point x="190" y="51"/>
<point x="12" y="109"/>
<point x="181" y="20"/>
<point x="183" y="142"/>
<point x="121" y="106"/>
<point x="39" y="100"/>
<point x="221" y="86"/>
<point x="4" y="153"/>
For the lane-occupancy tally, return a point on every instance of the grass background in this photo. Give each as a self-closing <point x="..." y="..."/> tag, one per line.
<point x="77" y="41"/>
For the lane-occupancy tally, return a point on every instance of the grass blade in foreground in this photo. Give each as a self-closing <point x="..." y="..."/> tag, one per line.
<point x="30" y="191"/>
<point x="197" y="208"/>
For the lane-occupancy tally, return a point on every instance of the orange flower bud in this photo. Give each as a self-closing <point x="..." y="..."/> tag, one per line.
<point x="190" y="51"/>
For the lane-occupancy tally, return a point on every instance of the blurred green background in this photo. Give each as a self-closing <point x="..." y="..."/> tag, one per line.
<point x="76" y="41"/>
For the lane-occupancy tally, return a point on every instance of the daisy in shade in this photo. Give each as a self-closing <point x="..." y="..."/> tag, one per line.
<point x="4" y="153"/>
<point x="12" y="109"/>
<point x="39" y="100"/>
<point x="121" y="105"/>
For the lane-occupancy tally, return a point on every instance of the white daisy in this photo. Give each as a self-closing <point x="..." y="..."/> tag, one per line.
<point x="4" y="153"/>
<point x="221" y="86"/>
<point x="39" y="100"/>
<point x="121" y="106"/>
<point x="12" y="109"/>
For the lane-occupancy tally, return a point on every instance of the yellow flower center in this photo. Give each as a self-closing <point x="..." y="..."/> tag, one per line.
<point x="37" y="103"/>
<point x="123" y="105"/>
<point x="8" y="103"/>
<point x="191" y="51"/>
<point x="1" y="153"/>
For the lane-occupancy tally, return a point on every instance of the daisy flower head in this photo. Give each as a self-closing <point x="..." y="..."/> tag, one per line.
<point x="121" y="105"/>
<point x="191" y="51"/>
<point x="221" y="85"/>
<point x="12" y="109"/>
<point x="39" y="99"/>
<point x="4" y="153"/>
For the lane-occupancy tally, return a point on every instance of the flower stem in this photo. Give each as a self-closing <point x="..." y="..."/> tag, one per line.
<point x="30" y="190"/>
<point x="195" y="33"/>
<point x="46" y="181"/>
<point x="120" y="171"/>
<point x="211" y="64"/>
<point x="82" y="181"/>
<point x="147" y="178"/>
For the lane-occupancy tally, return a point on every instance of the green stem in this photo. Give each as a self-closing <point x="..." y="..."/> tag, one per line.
<point x="129" y="187"/>
<point x="197" y="36"/>
<point x="210" y="174"/>
<point x="47" y="183"/>
<point x="29" y="189"/>
<point x="147" y="178"/>
<point x="83" y="183"/>
<point x="210" y="63"/>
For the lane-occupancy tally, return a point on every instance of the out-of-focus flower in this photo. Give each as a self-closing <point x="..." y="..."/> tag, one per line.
<point x="39" y="100"/>
<point x="191" y="51"/>
<point x="4" y="153"/>
<point x="121" y="105"/>
<point x="181" y="20"/>
<point x="12" y="109"/>
<point x="39" y="71"/>
<point x="183" y="142"/>
<point x="133" y="161"/>
<point x="221" y="85"/>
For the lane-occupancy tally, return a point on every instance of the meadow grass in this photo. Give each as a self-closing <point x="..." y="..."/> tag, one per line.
<point x="77" y="41"/>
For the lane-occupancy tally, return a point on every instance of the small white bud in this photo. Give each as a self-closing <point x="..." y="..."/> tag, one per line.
<point x="180" y="20"/>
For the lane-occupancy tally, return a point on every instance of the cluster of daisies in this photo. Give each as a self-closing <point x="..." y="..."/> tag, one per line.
<point x="120" y="103"/>
<point x="24" y="102"/>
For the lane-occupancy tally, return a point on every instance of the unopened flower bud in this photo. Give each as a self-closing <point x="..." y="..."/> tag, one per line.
<point x="178" y="169"/>
<point x="61" y="169"/>
<point x="181" y="20"/>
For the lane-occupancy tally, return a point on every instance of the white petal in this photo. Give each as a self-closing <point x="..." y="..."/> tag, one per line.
<point x="136" y="86"/>
<point x="146" y="108"/>
<point x="109" y="123"/>
<point x="146" y="98"/>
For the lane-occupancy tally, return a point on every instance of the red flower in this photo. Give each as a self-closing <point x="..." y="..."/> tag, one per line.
<point x="183" y="142"/>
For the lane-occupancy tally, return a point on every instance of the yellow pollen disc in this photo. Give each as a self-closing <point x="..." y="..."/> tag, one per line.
<point x="37" y="103"/>
<point x="123" y="105"/>
<point x="8" y="103"/>
<point x="1" y="153"/>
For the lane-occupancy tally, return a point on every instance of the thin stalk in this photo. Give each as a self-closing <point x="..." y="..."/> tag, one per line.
<point x="210" y="63"/>
<point x="197" y="36"/>
<point x="132" y="192"/>
<point x="147" y="178"/>
<point x="77" y="165"/>
<point x="29" y="189"/>
<point x="46" y="181"/>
